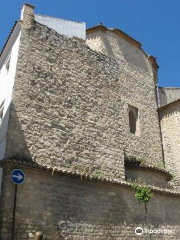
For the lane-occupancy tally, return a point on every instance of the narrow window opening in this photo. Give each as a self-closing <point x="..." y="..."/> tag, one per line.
<point x="134" y="123"/>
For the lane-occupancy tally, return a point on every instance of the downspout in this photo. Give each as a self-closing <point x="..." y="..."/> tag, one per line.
<point x="158" y="106"/>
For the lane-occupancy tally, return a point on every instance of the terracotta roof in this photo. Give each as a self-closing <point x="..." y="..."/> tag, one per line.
<point x="24" y="163"/>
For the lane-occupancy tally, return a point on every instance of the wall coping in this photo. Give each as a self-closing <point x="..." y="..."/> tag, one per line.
<point x="24" y="163"/>
<point x="147" y="167"/>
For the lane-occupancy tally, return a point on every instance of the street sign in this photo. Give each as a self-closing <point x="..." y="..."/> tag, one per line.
<point x="17" y="176"/>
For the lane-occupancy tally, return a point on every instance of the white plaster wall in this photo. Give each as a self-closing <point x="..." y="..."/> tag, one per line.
<point x="64" y="27"/>
<point x="6" y="86"/>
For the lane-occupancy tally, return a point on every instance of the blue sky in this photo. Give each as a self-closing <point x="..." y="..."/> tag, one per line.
<point x="154" y="23"/>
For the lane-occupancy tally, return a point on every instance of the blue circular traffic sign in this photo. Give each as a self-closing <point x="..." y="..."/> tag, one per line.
<point x="17" y="176"/>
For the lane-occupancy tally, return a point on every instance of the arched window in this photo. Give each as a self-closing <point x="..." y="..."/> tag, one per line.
<point x="132" y="122"/>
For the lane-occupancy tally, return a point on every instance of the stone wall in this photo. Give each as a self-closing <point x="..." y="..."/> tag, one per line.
<point x="170" y="118"/>
<point x="127" y="52"/>
<point x="148" y="176"/>
<point x="70" y="107"/>
<point x="70" y="113"/>
<point x="66" y="207"/>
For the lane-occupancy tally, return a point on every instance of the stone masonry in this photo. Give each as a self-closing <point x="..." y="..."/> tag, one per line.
<point x="170" y="118"/>
<point x="70" y="107"/>
<point x="67" y="207"/>
<point x="69" y="132"/>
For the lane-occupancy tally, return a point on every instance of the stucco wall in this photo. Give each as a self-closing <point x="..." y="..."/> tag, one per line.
<point x="65" y="207"/>
<point x="6" y="86"/>
<point x="62" y="26"/>
<point x="70" y="107"/>
<point x="168" y="95"/>
<point x="170" y="119"/>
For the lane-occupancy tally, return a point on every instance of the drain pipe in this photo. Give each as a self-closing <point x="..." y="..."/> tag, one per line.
<point x="158" y="105"/>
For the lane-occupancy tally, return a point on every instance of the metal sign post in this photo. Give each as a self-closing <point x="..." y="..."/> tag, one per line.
<point x="17" y="177"/>
<point x="14" y="212"/>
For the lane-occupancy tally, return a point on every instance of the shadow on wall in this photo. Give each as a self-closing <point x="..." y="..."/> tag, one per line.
<point x="162" y="96"/>
<point x="124" y="51"/>
<point x="108" y="47"/>
<point x="68" y="204"/>
<point x="16" y="146"/>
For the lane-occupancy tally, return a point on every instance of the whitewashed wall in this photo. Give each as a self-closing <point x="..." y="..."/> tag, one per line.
<point x="64" y="27"/>
<point x="6" y="85"/>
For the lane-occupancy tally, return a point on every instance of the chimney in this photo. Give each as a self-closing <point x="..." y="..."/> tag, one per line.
<point x="27" y="15"/>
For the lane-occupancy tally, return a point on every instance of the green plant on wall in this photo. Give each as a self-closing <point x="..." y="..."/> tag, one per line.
<point x="159" y="165"/>
<point x="143" y="160"/>
<point x="143" y="195"/>
<point x="97" y="175"/>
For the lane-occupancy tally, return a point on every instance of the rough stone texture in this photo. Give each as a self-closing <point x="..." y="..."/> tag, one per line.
<point x="70" y="111"/>
<point x="27" y="15"/>
<point x="130" y="58"/>
<point x="170" y="119"/>
<point x="63" y="207"/>
<point x="70" y="107"/>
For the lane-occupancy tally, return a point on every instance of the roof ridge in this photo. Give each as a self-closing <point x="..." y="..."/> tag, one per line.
<point x="170" y="87"/>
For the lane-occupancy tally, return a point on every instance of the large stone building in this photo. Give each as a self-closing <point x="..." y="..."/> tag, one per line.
<point x="79" y="115"/>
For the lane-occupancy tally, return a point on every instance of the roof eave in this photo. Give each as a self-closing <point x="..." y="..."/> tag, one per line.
<point x="117" y="31"/>
<point x="9" y="36"/>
